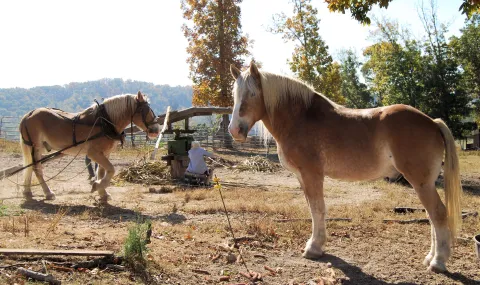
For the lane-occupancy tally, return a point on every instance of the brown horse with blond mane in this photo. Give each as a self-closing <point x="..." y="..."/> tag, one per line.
<point x="317" y="137"/>
<point x="93" y="132"/>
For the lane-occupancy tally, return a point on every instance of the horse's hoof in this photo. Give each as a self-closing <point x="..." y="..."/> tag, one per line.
<point x="437" y="267"/>
<point x="427" y="260"/>
<point x="104" y="199"/>
<point x="50" y="197"/>
<point x="94" y="187"/>
<point x="28" y="196"/>
<point x="311" y="252"/>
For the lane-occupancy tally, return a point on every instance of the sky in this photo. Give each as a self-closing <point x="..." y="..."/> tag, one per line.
<point x="55" y="42"/>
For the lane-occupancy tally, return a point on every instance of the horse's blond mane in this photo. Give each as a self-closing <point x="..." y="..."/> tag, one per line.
<point x="277" y="89"/>
<point x="121" y="107"/>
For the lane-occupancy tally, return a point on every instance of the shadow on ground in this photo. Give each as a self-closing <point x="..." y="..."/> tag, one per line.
<point x="357" y="276"/>
<point x="110" y="212"/>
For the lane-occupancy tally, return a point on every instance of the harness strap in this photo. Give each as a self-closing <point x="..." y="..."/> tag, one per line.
<point x="74" y="122"/>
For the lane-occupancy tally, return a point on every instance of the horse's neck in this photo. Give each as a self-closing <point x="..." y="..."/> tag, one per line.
<point x="120" y="119"/>
<point x="284" y="122"/>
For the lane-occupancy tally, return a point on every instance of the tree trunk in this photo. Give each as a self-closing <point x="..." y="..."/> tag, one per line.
<point x="227" y="139"/>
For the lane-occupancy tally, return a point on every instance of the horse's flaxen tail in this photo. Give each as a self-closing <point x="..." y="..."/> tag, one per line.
<point x="453" y="186"/>
<point x="27" y="154"/>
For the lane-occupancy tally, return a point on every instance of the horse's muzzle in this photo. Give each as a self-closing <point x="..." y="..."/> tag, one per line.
<point x="153" y="131"/>
<point x="239" y="133"/>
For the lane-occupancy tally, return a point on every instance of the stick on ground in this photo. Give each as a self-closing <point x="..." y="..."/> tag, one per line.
<point x="37" y="276"/>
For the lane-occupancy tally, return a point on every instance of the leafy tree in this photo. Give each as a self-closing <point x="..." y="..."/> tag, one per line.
<point x="447" y="99"/>
<point x="466" y="50"/>
<point x="310" y="60"/>
<point x="331" y="84"/>
<point x="215" y="41"/>
<point x="356" y="93"/>
<point x="394" y="67"/>
<point x="359" y="9"/>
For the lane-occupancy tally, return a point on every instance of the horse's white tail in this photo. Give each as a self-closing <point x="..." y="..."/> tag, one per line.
<point x="453" y="186"/>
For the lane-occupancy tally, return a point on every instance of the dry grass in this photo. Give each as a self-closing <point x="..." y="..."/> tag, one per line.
<point x="10" y="146"/>
<point x="368" y="248"/>
<point x="143" y="172"/>
<point x="54" y="223"/>
<point x="257" y="164"/>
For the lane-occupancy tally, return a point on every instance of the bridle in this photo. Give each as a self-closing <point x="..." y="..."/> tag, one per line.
<point x="143" y="107"/>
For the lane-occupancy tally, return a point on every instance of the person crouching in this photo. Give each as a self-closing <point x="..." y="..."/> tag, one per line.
<point x="197" y="163"/>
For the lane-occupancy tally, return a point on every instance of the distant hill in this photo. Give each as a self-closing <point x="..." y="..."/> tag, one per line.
<point x="76" y="96"/>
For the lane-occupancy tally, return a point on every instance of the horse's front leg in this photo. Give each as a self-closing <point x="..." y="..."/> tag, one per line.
<point x="103" y="181"/>
<point x="312" y="184"/>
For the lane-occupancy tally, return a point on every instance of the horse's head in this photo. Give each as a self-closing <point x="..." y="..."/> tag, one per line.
<point x="144" y="117"/>
<point x="249" y="106"/>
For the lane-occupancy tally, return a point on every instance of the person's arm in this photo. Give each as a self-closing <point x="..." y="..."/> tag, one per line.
<point x="209" y="154"/>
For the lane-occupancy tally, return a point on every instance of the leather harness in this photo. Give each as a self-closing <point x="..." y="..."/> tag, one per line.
<point x="108" y="128"/>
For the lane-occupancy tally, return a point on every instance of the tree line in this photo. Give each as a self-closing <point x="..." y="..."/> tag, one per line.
<point x="76" y="96"/>
<point x="436" y="75"/>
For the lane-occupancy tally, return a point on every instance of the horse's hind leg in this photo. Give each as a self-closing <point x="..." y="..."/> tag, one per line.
<point x="27" y="173"/>
<point x="38" y="168"/>
<point x="440" y="251"/>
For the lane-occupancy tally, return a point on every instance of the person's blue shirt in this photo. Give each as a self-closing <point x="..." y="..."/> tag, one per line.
<point x="197" y="163"/>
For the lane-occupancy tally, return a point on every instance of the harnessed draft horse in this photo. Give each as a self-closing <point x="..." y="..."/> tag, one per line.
<point x="317" y="137"/>
<point x="94" y="132"/>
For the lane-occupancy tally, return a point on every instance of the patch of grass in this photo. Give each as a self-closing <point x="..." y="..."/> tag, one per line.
<point x="135" y="246"/>
<point x="10" y="146"/>
<point x="3" y="210"/>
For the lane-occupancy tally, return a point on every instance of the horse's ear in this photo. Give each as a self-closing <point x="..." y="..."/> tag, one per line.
<point x="234" y="71"/>
<point x="140" y="97"/>
<point x="254" y="70"/>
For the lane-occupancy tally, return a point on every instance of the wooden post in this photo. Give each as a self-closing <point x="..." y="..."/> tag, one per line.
<point x="165" y="122"/>
<point x="178" y="167"/>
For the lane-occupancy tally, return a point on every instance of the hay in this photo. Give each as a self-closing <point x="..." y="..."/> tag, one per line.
<point x="257" y="164"/>
<point x="149" y="173"/>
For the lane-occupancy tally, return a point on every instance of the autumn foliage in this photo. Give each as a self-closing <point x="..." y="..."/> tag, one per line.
<point x="215" y="41"/>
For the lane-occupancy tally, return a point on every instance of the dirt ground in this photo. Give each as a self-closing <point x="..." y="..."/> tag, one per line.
<point x="190" y="238"/>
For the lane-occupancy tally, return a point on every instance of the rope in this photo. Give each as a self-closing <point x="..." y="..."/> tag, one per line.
<point x="218" y="186"/>
<point x="68" y="164"/>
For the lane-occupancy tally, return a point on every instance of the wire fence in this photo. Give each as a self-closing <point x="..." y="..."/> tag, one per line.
<point x="222" y="142"/>
<point x="9" y="128"/>
<point x="208" y="138"/>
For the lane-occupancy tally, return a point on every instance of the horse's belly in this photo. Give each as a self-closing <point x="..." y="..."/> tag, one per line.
<point x="361" y="167"/>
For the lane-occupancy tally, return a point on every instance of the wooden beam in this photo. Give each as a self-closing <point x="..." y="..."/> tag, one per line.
<point x="6" y="172"/>
<point x="176" y="116"/>
<point x="22" y="251"/>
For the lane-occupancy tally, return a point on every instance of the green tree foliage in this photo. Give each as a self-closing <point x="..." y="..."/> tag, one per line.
<point x="424" y="75"/>
<point x="76" y="96"/>
<point x="394" y="67"/>
<point x="310" y="60"/>
<point x="356" y="93"/>
<point x="447" y="97"/>
<point x="215" y="41"/>
<point x="466" y="50"/>
<point x="359" y="9"/>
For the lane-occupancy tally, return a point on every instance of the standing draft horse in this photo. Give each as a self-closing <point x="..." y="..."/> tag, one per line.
<point x="93" y="132"/>
<point x="317" y="138"/>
